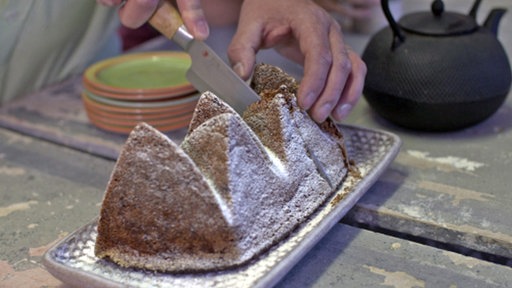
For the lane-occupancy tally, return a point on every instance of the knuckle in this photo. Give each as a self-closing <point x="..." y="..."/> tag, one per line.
<point x="319" y="13"/>
<point x="344" y="64"/>
<point x="325" y="58"/>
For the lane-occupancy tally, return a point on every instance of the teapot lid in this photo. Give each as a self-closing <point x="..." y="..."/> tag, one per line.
<point x="438" y="22"/>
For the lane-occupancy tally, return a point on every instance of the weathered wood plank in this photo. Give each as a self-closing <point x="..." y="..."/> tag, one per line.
<point x="448" y="187"/>
<point x="351" y="257"/>
<point x="47" y="191"/>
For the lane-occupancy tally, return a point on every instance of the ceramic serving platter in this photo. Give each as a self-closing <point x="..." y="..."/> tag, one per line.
<point x="72" y="260"/>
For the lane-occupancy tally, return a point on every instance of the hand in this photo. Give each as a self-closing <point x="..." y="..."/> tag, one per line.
<point x="305" y="33"/>
<point x="134" y="13"/>
<point x="355" y="9"/>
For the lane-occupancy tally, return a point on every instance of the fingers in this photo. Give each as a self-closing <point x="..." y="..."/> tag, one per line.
<point x="243" y="47"/>
<point x="134" y="13"/>
<point x="353" y="88"/>
<point x="194" y="18"/>
<point x="324" y="80"/>
<point x="333" y="77"/>
<point x="317" y="62"/>
<point x="333" y="74"/>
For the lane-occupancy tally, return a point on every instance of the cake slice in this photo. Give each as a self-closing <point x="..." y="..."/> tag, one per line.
<point x="240" y="171"/>
<point x="324" y="143"/>
<point x="159" y="212"/>
<point x="207" y="107"/>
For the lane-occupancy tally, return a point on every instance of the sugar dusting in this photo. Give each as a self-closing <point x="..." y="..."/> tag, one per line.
<point x="226" y="210"/>
<point x="278" y="165"/>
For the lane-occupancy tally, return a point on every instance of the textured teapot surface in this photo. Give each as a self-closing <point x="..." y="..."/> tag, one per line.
<point x="446" y="75"/>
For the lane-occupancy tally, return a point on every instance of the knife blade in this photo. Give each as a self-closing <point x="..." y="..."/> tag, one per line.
<point x="208" y="71"/>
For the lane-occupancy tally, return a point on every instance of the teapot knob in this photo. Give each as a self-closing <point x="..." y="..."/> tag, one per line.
<point x="437" y="7"/>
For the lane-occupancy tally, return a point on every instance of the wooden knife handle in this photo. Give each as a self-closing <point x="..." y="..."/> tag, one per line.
<point x="166" y="19"/>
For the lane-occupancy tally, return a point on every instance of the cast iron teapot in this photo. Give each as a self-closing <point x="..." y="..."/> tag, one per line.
<point x="437" y="70"/>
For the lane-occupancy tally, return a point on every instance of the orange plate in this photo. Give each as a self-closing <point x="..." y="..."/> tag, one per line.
<point x="109" y="119"/>
<point x="126" y="129"/>
<point x="137" y="111"/>
<point x="177" y="102"/>
<point x="138" y="117"/>
<point x="139" y="96"/>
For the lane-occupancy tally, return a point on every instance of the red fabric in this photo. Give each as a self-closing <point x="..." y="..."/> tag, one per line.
<point x="133" y="37"/>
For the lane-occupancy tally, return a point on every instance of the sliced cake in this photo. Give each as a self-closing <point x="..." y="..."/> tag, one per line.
<point x="233" y="188"/>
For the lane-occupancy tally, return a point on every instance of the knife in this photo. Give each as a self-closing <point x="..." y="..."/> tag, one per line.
<point x="208" y="71"/>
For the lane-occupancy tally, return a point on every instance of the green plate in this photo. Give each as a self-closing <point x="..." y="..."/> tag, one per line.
<point x="141" y="73"/>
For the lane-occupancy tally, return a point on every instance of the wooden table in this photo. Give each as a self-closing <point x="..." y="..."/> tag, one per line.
<point x="447" y="189"/>
<point x="438" y="217"/>
<point x="49" y="190"/>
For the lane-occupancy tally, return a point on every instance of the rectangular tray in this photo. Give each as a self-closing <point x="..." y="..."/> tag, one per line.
<point x="72" y="260"/>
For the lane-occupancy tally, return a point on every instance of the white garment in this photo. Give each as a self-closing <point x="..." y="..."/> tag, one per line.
<point x="46" y="41"/>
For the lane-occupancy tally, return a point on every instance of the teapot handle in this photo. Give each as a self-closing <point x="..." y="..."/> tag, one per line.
<point x="474" y="9"/>
<point x="398" y="35"/>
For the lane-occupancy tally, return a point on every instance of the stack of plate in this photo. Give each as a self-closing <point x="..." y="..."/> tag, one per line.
<point x="122" y="91"/>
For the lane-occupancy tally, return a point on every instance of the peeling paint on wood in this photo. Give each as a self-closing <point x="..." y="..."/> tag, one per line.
<point x="4" y="211"/>
<point x="417" y="224"/>
<point x="458" y="193"/>
<point x="396" y="246"/>
<point x="12" y="171"/>
<point x="13" y="138"/>
<point x="35" y="277"/>
<point x="397" y="279"/>
<point x="460" y="260"/>
<point x="422" y="160"/>
<point x="39" y="251"/>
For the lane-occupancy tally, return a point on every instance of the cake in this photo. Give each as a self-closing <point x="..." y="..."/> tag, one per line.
<point x="232" y="189"/>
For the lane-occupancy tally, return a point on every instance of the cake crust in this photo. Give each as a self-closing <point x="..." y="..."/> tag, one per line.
<point x="231" y="190"/>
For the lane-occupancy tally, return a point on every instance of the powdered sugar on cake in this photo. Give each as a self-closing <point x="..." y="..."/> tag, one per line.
<point x="249" y="183"/>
